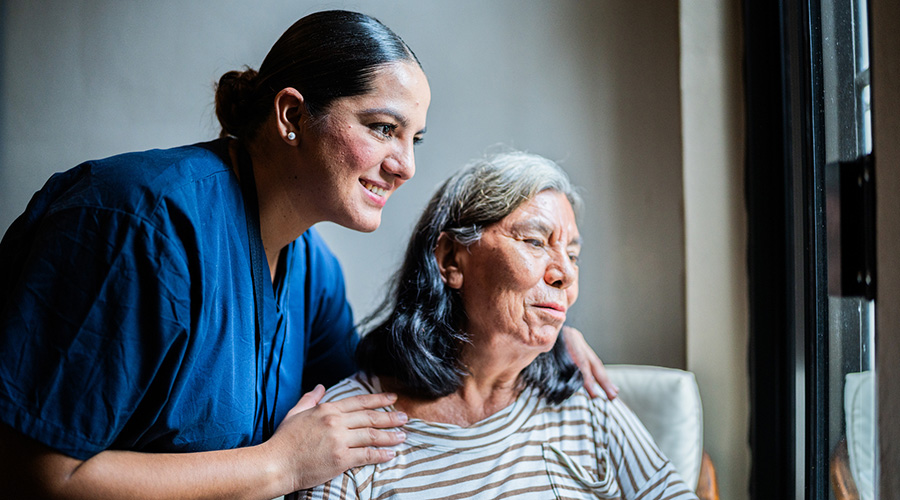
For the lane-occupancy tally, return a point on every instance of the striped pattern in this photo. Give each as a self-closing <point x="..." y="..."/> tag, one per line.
<point x="583" y="448"/>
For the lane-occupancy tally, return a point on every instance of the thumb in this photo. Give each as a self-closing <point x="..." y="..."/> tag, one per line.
<point x="308" y="401"/>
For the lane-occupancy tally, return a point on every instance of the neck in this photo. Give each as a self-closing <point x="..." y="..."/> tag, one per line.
<point x="492" y="385"/>
<point x="279" y="221"/>
<point x="473" y="402"/>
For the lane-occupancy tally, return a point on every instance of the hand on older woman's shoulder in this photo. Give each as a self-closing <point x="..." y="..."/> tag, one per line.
<point x="320" y="441"/>
<point x="592" y="369"/>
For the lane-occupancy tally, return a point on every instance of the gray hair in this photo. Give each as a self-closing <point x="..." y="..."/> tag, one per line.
<point x="488" y="189"/>
<point x="419" y="342"/>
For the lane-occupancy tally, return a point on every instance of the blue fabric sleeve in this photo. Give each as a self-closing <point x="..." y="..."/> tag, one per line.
<point x="333" y="337"/>
<point x="98" y="320"/>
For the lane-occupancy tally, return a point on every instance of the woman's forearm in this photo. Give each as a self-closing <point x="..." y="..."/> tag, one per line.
<point x="245" y="473"/>
<point x="313" y="444"/>
<point x="29" y="469"/>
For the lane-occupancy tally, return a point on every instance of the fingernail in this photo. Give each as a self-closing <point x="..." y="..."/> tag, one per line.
<point x="402" y="416"/>
<point x="391" y="453"/>
<point x="401" y="435"/>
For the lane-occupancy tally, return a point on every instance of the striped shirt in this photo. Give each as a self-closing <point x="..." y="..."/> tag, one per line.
<point x="581" y="448"/>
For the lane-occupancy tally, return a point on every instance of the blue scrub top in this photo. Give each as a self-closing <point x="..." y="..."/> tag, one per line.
<point x="127" y="315"/>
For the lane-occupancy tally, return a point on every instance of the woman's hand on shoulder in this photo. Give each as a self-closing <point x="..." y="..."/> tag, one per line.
<point x="318" y="442"/>
<point x="592" y="370"/>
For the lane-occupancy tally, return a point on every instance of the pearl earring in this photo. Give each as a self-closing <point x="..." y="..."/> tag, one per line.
<point x="291" y="136"/>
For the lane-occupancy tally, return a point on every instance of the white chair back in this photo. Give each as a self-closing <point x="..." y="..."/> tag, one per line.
<point x="667" y="401"/>
<point x="859" y="412"/>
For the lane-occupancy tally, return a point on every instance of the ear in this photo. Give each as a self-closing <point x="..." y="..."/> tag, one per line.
<point x="290" y="114"/>
<point x="448" y="252"/>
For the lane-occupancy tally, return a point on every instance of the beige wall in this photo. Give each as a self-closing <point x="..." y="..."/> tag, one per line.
<point x="591" y="84"/>
<point x="715" y="231"/>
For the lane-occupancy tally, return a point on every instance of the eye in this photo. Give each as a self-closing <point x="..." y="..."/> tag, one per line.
<point x="574" y="258"/>
<point x="418" y="140"/>
<point x="384" y="129"/>
<point x="534" y="242"/>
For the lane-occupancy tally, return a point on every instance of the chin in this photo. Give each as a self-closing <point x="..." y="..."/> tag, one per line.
<point x="366" y="225"/>
<point x="544" y="340"/>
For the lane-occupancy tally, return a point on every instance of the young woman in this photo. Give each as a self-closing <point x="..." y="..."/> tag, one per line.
<point x="164" y="311"/>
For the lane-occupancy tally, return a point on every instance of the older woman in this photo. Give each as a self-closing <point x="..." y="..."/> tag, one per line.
<point x="471" y="345"/>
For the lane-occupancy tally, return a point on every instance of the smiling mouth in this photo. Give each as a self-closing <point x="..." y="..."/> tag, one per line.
<point x="373" y="188"/>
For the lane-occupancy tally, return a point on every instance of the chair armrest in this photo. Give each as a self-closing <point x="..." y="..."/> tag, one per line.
<point x="707" y="485"/>
<point x="841" y="478"/>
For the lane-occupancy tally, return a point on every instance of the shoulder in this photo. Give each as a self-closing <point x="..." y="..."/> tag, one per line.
<point x="136" y="200"/>
<point x="610" y="415"/>
<point x="576" y="414"/>
<point x="355" y="385"/>
<point x="172" y="166"/>
<point x="579" y="401"/>
<point x="598" y="412"/>
<point x="140" y="183"/>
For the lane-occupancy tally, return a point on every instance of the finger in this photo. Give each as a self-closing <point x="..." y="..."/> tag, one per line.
<point x="362" y="438"/>
<point x="574" y="345"/>
<point x="365" y="402"/>
<point x="309" y="400"/>
<point x="375" y="418"/>
<point x="589" y="371"/>
<point x="577" y="347"/>
<point x="602" y="379"/>
<point x="358" y="457"/>
<point x="590" y="384"/>
<point x="596" y="380"/>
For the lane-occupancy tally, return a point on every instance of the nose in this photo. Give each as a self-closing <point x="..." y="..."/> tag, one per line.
<point x="561" y="271"/>
<point x="401" y="163"/>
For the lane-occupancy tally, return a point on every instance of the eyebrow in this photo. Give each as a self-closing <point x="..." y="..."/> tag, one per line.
<point x="393" y="114"/>
<point x="539" y="226"/>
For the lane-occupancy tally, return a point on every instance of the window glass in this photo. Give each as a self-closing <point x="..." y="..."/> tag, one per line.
<point x="851" y="311"/>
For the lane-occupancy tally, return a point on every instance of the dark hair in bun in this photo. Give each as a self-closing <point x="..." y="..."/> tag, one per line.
<point x="325" y="56"/>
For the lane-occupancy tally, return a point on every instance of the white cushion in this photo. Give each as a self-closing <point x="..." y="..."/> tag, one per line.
<point x="859" y="412"/>
<point x="667" y="401"/>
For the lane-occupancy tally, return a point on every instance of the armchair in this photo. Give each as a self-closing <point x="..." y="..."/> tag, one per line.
<point x="852" y="468"/>
<point x="668" y="403"/>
